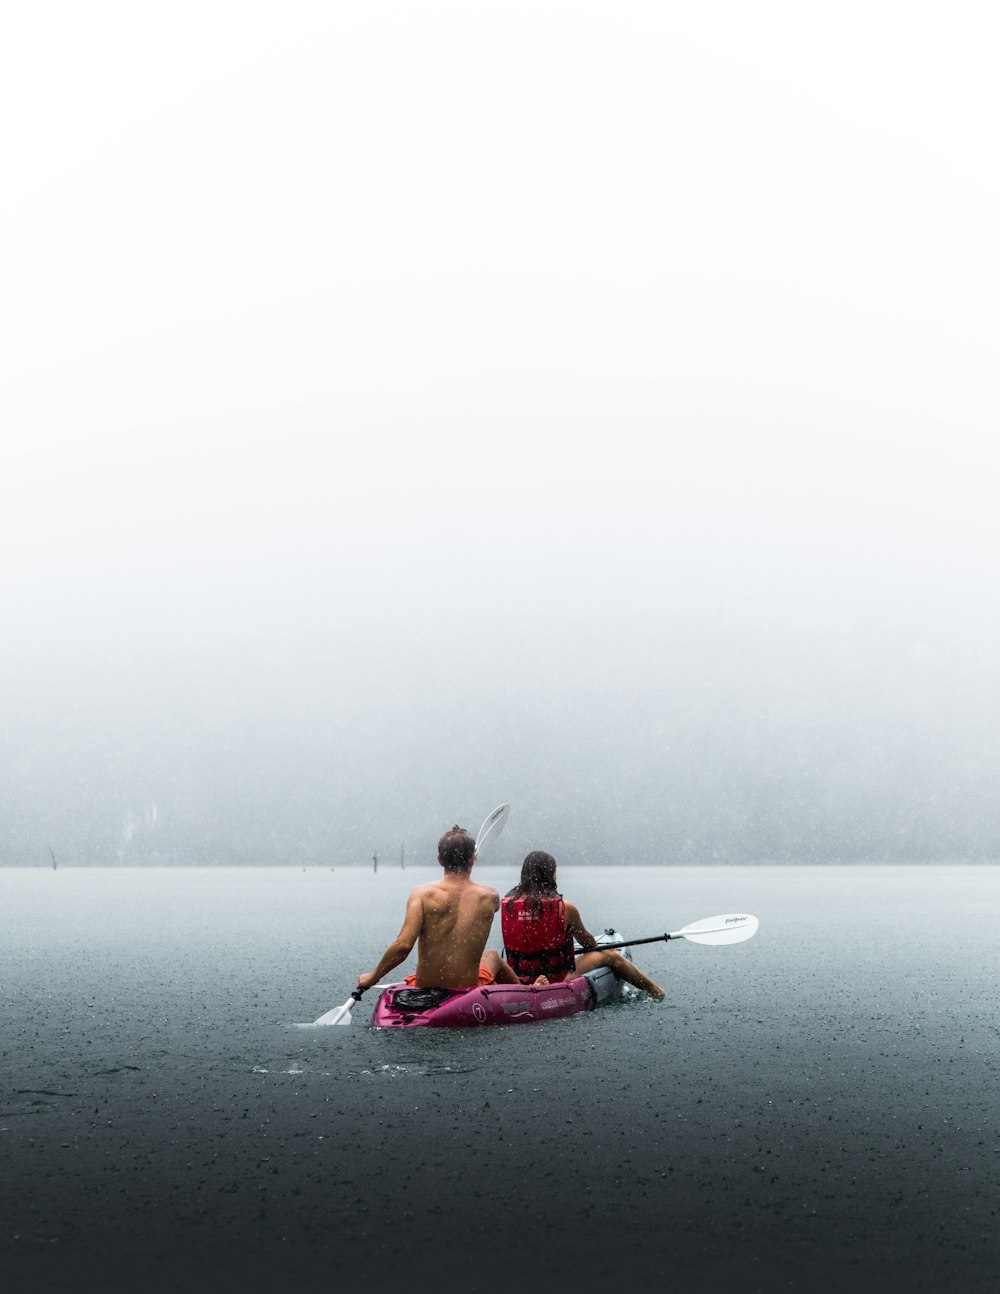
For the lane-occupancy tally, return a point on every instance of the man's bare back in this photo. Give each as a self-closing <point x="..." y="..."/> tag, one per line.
<point x="456" y="917"/>
<point x="449" y="920"/>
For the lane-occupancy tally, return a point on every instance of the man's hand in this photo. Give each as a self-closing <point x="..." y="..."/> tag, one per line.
<point x="365" y="982"/>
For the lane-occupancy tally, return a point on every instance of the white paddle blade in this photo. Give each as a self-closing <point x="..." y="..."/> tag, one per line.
<point x="730" y="929"/>
<point x="339" y="1014"/>
<point x="493" y="825"/>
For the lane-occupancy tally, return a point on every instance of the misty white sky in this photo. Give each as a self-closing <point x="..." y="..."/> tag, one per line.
<point x="323" y="325"/>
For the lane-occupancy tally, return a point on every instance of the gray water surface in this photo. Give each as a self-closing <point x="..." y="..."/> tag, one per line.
<point x="814" y="1106"/>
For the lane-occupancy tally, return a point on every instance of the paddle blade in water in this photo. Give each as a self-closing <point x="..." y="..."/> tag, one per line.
<point x="730" y="929"/>
<point x="339" y="1014"/>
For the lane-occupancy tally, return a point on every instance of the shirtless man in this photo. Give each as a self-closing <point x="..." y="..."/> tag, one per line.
<point x="449" y="920"/>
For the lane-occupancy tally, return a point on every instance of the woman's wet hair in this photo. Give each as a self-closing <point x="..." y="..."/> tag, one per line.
<point x="456" y="849"/>
<point x="538" y="878"/>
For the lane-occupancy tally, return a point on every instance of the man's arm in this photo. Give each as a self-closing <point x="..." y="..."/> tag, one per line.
<point x="401" y="946"/>
<point x="577" y="929"/>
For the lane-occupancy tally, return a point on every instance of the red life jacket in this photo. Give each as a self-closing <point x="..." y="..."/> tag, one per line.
<point x="535" y="939"/>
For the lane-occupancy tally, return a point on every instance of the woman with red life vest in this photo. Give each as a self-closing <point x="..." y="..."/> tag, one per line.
<point x="539" y="928"/>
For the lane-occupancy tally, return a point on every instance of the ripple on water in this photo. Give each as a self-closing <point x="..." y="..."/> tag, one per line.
<point x="298" y="1069"/>
<point x="419" y="1070"/>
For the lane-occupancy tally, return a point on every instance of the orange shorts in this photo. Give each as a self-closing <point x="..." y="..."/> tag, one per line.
<point x="485" y="977"/>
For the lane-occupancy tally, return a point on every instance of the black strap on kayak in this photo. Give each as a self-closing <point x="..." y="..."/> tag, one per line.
<point x="420" y="999"/>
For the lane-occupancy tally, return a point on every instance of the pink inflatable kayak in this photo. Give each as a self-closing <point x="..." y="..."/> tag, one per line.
<point x="399" y="1007"/>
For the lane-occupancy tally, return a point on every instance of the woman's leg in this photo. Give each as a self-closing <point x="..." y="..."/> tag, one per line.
<point x="501" y="971"/>
<point x="621" y="966"/>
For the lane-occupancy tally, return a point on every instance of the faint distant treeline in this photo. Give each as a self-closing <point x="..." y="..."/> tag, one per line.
<point x="656" y="778"/>
<point x="732" y="831"/>
<point x="151" y="837"/>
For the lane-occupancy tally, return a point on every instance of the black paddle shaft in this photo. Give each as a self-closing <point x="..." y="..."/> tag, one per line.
<point x="627" y="943"/>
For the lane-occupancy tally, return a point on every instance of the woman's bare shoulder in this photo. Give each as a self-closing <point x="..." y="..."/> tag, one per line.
<point x="574" y="921"/>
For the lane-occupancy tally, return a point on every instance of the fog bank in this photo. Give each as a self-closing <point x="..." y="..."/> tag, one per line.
<point x="413" y="409"/>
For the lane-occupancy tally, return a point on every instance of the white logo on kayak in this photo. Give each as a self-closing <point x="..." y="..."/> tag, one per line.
<point x="514" y="1008"/>
<point x="479" y="1012"/>
<point x="550" y="1006"/>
